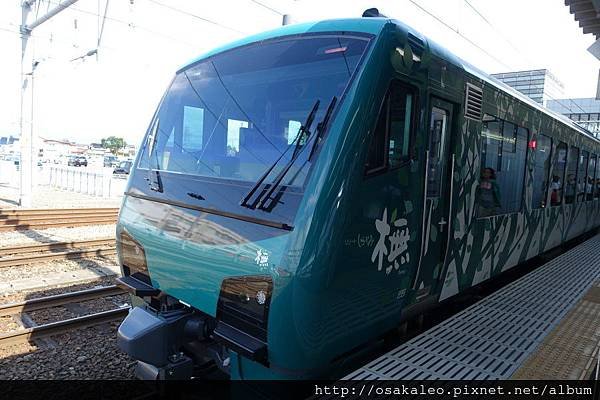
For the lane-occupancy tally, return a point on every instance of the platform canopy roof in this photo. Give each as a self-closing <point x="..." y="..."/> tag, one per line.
<point x="587" y="13"/>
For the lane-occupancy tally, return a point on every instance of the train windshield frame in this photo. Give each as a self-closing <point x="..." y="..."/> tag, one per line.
<point x="229" y="117"/>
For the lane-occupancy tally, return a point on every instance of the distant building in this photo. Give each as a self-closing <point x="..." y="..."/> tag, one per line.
<point x="128" y="151"/>
<point x="53" y="150"/>
<point x="539" y="84"/>
<point x="8" y="140"/>
<point x="9" y="146"/>
<point x="585" y="112"/>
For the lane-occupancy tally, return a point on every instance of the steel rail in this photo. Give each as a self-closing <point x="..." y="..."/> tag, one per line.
<point x="55" y="211"/>
<point x="51" y="218"/>
<point x="34" y="218"/>
<point x="59" y="300"/>
<point x="55" y="328"/>
<point x="32" y="248"/>
<point x="61" y="255"/>
<point x="59" y="222"/>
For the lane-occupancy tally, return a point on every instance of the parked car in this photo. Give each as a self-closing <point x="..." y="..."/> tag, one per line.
<point x="111" y="161"/>
<point x="123" y="168"/>
<point x="77" y="161"/>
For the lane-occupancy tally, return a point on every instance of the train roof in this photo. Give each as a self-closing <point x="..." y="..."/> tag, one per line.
<point x="442" y="52"/>
<point x="374" y="25"/>
<point x="363" y="25"/>
<point x="525" y="99"/>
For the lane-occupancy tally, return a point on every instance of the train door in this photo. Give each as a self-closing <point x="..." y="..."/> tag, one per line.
<point x="438" y="200"/>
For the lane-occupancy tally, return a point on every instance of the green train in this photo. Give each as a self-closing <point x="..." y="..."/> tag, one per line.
<point x="301" y="192"/>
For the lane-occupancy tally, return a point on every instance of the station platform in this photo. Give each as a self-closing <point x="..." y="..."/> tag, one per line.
<point x="545" y="325"/>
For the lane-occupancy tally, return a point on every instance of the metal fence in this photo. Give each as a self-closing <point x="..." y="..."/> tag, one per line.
<point x="92" y="182"/>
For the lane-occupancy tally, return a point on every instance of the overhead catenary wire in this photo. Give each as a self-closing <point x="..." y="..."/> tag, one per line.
<point x="195" y="16"/>
<point x="53" y="38"/>
<point x="459" y="34"/>
<point x="141" y="27"/>
<point x="267" y="7"/>
<point x="469" y="40"/>
<point x="499" y="33"/>
<point x="567" y="107"/>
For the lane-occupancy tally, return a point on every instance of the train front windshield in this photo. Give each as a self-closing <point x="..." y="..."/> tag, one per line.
<point x="231" y="116"/>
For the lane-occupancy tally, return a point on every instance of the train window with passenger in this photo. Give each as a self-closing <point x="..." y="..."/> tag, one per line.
<point x="590" y="179"/>
<point x="503" y="155"/>
<point x="559" y="163"/>
<point x="571" y="180"/>
<point x="542" y="146"/>
<point x="582" y="175"/>
<point x="391" y="139"/>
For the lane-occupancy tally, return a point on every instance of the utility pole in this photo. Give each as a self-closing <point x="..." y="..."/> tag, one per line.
<point x="27" y="137"/>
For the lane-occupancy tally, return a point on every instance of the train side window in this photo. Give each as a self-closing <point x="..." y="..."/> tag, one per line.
<point x="512" y="174"/>
<point x="559" y="163"/>
<point x="571" y="181"/>
<point x="591" y="178"/>
<point x="542" y="146"/>
<point x="597" y="187"/>
<point x="582" y="175"/>
<point x="401" y="110"/>
<point x="391" y="140"/>
<point x="437" y="132"/>
<point x="233" y="136"/>
<point x="377" y="157"/>
<point x="488" y="197"/>
<point x="193" y="124"/>
<point x="503" y="156"/>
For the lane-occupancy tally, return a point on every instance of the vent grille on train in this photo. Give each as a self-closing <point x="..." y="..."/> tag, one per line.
<point x="473" y="102"/>
<point x="416" y="44"/>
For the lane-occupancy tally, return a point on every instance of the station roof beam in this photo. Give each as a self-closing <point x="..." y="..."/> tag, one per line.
<point x="587" y="13"/>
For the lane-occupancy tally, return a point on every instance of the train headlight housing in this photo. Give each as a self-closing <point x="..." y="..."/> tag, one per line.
<point x="133" y="257"/>
<point x="244" y="304"/>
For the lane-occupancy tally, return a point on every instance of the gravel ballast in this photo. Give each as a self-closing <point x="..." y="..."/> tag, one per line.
<point x="57" y="289"/>
<point x="48" y="269"/>
<point x="89" y="353"/>
<point x="74" y="310"/>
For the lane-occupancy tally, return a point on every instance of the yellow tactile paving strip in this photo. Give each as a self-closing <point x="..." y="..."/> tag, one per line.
<point x="570" y="351"/>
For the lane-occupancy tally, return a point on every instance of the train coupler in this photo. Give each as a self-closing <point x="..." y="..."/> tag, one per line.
<point x="181" y="368"/>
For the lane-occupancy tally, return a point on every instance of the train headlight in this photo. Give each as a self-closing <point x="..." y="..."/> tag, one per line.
<point x="244" y="304"/>
<point x="133" y="257"/>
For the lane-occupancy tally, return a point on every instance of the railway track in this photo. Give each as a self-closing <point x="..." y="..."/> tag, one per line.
<point x="22" y="219"/>
<point x="28" y="254"/>
<point x="55" y="328"/>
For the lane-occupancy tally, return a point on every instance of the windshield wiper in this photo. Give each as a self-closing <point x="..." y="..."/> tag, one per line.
<point x="302" y="131"/>
<point x="321" y="126"/>
<point x="155" y="182"/>
<point x="319" y="133"/>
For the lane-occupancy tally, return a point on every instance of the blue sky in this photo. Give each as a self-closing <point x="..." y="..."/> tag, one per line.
<point x="145" y="42"/>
